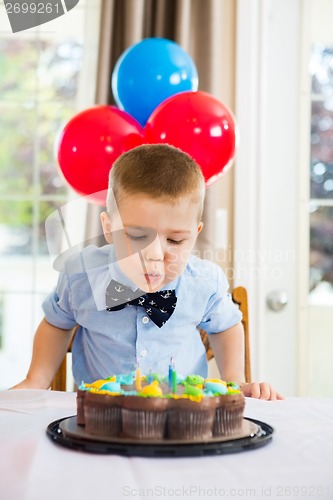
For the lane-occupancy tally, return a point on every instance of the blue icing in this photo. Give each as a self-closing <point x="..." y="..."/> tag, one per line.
<point x="82" y="387"/>
<point x="216" y="388"/>
<point x="130" y="393"/>
<point x="111" y="386"/>
<point x="125" y="378"/>
<point x="209" y="394"/>
<point x="180" y="378"/>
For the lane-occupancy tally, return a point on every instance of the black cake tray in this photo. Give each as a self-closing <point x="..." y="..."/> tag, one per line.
<point x="65" y="432"/>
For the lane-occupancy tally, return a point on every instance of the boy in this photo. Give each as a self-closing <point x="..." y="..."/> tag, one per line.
<point x="154" y="207"/>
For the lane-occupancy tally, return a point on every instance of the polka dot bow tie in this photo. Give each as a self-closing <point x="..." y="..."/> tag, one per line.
<point x="158" y="305"/>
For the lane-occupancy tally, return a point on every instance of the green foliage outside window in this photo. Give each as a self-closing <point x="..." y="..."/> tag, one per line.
<point x="38" y="87"/>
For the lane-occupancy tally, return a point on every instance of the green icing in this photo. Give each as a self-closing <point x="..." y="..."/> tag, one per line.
<point x="157" y="376"/>
<point x="194" y="379"/>
<point x="233" y="385"/>
<point x="191" y="390"/>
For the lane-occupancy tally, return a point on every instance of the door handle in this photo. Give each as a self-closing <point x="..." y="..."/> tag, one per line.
<point x="277" y="300"/>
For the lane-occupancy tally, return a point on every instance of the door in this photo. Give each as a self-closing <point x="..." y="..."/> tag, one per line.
<point x="271" y="251"/>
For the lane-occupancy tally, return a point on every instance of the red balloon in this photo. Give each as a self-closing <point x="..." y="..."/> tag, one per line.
<point x="200" y="125"/>
<point x="90" y="143"/>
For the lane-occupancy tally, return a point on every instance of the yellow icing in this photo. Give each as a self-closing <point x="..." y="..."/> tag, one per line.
<point x="233" y="391"/>
<point x="196" y="399"/>
<point x="98" y="383"/>
<point x="95" y="390"/>
<point x="216" y="381"/>
<point x="152" y="389"/>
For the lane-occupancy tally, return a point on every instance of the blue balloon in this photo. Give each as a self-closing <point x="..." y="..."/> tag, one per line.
<point x="149" y="72"/>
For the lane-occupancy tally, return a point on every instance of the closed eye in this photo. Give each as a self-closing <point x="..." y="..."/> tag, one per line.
<point x="136" y="238"/>
<point x="175" y="242"/>
<point x="144" y="236"/>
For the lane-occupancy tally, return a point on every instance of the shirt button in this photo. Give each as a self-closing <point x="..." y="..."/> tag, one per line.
<point x="144" y="353"/>
<point x="145" y="320"/>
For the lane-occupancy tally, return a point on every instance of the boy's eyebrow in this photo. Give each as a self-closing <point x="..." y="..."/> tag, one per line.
<point x="173" y="231"/>
<point x="131" y="226"/>
<point x="180" y="231"/>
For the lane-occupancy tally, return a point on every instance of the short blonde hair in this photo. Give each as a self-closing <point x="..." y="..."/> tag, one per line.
<point x="158" y="171"/>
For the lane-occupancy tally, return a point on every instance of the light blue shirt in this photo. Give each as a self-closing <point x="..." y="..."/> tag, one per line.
<point x="108" y="343"/>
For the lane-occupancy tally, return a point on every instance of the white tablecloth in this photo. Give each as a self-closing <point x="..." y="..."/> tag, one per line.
<point x="297" y="463"/>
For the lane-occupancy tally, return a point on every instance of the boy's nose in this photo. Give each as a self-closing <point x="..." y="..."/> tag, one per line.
<point x="154" y="251"/>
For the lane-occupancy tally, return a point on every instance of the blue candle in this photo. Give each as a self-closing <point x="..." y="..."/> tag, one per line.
<point x="150" y="376"/>
<point x="170" y="372"/>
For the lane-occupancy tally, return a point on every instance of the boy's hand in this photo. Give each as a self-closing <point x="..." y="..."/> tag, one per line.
<point x="262" y="390"/>
<point x="50" y="347"/>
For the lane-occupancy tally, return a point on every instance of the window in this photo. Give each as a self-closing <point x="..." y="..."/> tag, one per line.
<point x="43" y="84"/>
<point x="321" y="184"/>
<point x="319" y="99"/>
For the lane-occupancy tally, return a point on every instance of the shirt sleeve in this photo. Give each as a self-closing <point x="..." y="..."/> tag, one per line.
<point x="57" y="306"/>
<point x="221" y="312"/>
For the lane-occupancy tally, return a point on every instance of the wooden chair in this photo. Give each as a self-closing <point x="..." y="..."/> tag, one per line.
<point x="239" y="296"/>
<point x="59" y="382"/>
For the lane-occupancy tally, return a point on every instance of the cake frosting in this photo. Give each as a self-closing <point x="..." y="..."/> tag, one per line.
<point x="156" y="407"/>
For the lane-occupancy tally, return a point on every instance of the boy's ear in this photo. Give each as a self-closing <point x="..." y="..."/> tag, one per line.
<point x="106" y="225"/>
<point x="200" y="226"/>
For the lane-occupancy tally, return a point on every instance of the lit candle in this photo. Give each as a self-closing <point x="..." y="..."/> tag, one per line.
<point x="138" y="378"/>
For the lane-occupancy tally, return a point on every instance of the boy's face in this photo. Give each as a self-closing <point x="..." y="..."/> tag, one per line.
<point x="153" y="238"/>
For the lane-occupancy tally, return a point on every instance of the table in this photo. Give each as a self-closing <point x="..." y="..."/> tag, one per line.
<point x="297" y="463"/>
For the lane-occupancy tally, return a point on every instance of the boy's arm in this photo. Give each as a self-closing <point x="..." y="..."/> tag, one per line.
<point x="228" y="347"/>
<point x="49" y="348"/>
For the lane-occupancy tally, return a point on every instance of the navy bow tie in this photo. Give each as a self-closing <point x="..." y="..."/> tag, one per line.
<point x="158" y="305"/>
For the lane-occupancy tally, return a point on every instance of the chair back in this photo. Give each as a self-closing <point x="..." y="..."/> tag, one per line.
<point x="239" y="297"/>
